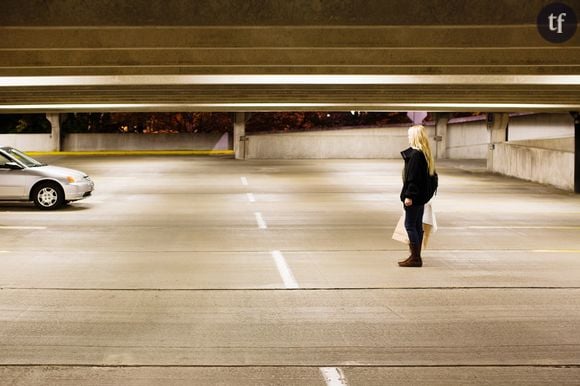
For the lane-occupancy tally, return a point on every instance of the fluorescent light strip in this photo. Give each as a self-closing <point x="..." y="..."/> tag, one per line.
<point x="257" y="105"/>
<point x="121" y="80"/>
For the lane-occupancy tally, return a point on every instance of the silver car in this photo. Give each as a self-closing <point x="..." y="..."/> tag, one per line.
<point x="23" y="178"/>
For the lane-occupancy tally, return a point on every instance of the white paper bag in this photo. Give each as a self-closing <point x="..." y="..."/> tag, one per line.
<point x="429" y="224"/>
<point x="429" y="217"/>
<point x="400" y="233"/>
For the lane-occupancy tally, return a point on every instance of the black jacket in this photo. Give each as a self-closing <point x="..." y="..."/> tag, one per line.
<point x="415" y="177"/>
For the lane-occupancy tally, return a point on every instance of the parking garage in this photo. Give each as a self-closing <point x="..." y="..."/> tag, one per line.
<point x="275" y="264"/>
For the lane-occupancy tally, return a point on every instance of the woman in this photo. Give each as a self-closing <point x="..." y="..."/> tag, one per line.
<point x="419" y="165"/>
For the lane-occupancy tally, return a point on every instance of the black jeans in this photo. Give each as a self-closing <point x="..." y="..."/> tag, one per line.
<point x="414" y="223"/>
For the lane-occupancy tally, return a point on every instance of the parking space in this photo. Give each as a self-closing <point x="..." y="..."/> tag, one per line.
<point x="211" y="269"/>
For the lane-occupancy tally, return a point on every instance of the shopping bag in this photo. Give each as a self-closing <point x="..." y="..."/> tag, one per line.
<point x="400" y="233"/>
<point x="427" y="228"/>
<point x="429" y="216"/>
<point x="429" y="224"/>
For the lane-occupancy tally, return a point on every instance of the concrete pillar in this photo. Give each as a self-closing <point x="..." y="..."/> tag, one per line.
<point x="497" y="125"/>
<point x="441" y="135"/>
<point x="54" y="119"/>
<point x="240" y="135"/>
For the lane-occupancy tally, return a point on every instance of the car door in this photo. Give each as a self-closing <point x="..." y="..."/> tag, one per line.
<point x="12" y="181"/>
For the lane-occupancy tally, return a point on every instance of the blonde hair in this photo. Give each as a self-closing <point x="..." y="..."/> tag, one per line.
<point x="419" y="140"/>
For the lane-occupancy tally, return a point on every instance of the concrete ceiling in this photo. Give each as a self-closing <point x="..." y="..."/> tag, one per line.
<point x="228" y="55"/>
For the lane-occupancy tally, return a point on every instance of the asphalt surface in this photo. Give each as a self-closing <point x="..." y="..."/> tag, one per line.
<point x="184" y="270"/>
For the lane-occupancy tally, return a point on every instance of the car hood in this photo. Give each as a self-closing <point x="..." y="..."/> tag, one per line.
<point x="57" y="171"/>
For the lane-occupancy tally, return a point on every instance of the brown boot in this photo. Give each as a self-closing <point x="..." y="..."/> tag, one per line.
<point x="408" y="258"/>
<point x="415" y="259"/>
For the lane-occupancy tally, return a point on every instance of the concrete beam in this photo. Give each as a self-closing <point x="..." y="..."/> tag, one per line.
<point x="257" y="96"/>
<point x="335" y="37"/>
<point x="266" y="13"/>
<point x="264" y="37"/>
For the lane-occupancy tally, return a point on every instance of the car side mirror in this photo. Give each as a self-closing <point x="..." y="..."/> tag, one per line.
<point x="12" y="166"/>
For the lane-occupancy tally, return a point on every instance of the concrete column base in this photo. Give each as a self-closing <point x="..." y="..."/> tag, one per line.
<point x="497" y="124"/>
<point x="240" y="136"/>
<point x="441" y="136"/>
<point x="54" y="119"/>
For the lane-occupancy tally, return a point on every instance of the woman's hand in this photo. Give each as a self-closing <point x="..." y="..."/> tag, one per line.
<point x="408" y="202"/>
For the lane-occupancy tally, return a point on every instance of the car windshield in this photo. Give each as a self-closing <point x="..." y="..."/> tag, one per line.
<point x="23" y="158"/>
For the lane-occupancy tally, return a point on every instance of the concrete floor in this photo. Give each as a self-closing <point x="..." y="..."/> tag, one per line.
<point x="191" y="270"/>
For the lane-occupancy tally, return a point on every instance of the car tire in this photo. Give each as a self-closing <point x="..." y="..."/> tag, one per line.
<point x="48" y="196"/>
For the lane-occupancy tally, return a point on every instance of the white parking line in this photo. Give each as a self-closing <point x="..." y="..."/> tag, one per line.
<point x="284" y="270"/>
<point x="251" y="197"/>
<point x="333" y="376"/>
<point x="556" y="250"/>
<point x="20" y="227"/>
<point x="261" y="223"/>
<point x="244" y="181"/>
<point x="572" y="227"/>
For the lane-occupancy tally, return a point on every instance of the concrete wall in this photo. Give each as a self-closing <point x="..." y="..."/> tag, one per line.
<point x="467" y="140"/>
<point x="540" y="164"/>
<point x="28" y="142"/>
<point x="88" y="142"/>
<point x="540" y="126"/>
<point x="346" y="143"/>
<point x="558" y="144"/>
<point x="540" y="149"/>
<point x="96" y="142"/>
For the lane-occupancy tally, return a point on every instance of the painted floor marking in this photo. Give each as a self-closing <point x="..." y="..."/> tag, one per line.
<point x="244" y="181"/>
<point x="556" y="250"/>
<point x="333" y="376"/>
<point x="20" y="227"/>
<point x="526" y="227"/>
<point x="513" y="227"/>
<point x="284" y="270"/>
<point x="261" y="223"/>
<point x="251" y="197"/>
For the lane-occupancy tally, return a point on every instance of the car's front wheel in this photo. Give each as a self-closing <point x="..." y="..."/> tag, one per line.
<point x="48" y="196"/>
